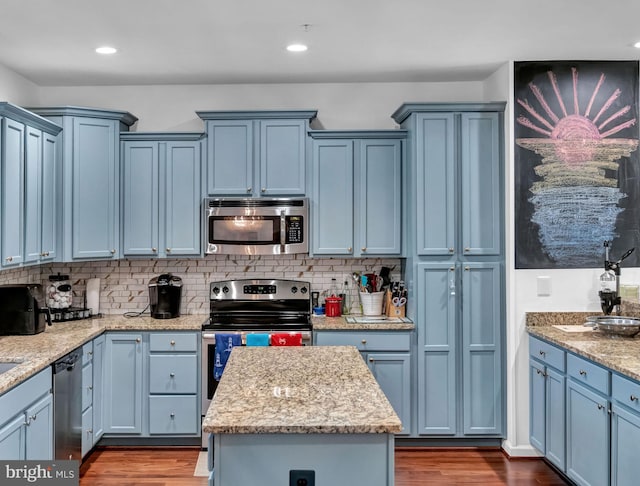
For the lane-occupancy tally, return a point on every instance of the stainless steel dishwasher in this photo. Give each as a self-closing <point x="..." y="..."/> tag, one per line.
<point x="67" y="406"/>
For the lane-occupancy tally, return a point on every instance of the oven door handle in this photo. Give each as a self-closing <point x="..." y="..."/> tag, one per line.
<point x="208" y="335"/>
<point x="283" y="229"/>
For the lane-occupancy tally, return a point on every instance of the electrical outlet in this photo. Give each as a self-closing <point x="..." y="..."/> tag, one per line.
<point x="299" y="477"/>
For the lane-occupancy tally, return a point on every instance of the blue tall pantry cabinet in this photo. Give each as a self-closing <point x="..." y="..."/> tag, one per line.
<point x="454" y="223"/>
<point x="89" y="175"/>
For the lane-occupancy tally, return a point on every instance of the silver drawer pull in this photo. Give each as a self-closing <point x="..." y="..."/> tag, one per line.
<point x="582" y="373"/>
<point x="364" y="341"/>
<point x="173" y="415"/>
<point x="371" y="360"/>
<point x="600" y="407"/>
<point x="90" y="388"/>
<point x="633" y="398"/>
<point x="172" y="343"/>
<point x="542" y="353"/>
<point x="138" y="340"/>
<point x="172" y="375"/>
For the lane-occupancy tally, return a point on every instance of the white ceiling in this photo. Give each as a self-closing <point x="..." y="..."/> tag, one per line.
<point x="52" y="42"/>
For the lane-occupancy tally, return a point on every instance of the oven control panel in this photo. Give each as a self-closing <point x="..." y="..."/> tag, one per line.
<point x="260" y="289"/>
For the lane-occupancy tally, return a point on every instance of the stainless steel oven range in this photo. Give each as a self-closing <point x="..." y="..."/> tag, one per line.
<point x="252" y="306"/>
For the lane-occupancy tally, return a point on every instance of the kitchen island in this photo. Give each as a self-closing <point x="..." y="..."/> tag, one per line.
<point x="303" y="412"/>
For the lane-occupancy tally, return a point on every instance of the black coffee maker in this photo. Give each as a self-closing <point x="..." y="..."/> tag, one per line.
<point x="165" y="295"/>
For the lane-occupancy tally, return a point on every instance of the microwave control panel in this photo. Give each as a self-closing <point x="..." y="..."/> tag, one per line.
<point x="294" y="229"/>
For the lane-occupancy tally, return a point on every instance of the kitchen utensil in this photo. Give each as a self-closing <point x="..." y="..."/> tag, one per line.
<point x="372" y="303"/>
<point x="616" y="325"/>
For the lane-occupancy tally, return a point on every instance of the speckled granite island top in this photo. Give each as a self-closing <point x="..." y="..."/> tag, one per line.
<point x="616" y="353"/>
<point x="299" y="390"/>
<point x="36" y="352"/>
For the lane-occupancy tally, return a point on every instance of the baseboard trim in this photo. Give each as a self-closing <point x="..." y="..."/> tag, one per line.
<point x="520" y="451"/>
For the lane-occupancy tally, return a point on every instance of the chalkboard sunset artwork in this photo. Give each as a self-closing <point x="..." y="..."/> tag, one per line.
<point x="576" y="136"/>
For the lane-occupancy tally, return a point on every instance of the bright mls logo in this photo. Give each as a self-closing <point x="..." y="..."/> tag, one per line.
<point x="25" y="473"/>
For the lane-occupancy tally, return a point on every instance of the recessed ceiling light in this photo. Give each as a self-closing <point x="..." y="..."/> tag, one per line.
<point x="296" y="48"/>
<point x="637" y="44"/>
<point x="106" y="50"/>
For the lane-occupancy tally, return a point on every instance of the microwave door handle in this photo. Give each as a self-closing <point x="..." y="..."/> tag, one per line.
<point x="283" y="229"/>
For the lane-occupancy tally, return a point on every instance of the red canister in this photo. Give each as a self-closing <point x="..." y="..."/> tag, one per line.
<point x="333" y="306"/>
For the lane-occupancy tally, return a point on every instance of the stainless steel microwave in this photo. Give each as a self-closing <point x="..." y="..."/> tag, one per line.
<point x="256" y="226"/>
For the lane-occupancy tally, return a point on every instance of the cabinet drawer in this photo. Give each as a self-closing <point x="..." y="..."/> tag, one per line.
<point x="87" y="386"/>
<point x="366" y="341"/>
<point x="173" y="374"/>
<point x="547" y="353"/>
<point x="626" y="391"/>
<point x="173" y="341"/>
<point x="588" y="373"/>
<point x="173" y="415"/>
<point x="87" y="352"/>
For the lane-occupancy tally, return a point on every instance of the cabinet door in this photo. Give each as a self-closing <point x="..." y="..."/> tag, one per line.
<point x="123" y="383"/>
<point x="40" y="430"/>
<point x="140" y="201"/>
<point x="87" y="431"/>
<point x="435" y="184"/>
<point x="182" y="196"/>
<point x="482" y="375"/>
<point x="393" y="373"/>
<point x="12" y="192"/>
<point x="378" y="207"/>
<point x="587" y="436"/>
<point x="481" y="184"/>
<point x="555" y="418"/>
<point x="95" y="215"/>
<point x="98" y="387"/>
<point x="332" y="204"/>
<point x="49" y="198"/>
<point x="87" y="386"/>
<point x="13" y="438"/>
<point x="282" y="157"/>
<point x="537" y="406"/>
<point x="625" y="437"/>
<point x="436" y="296"/>
<point x="33" y="195"/>
<point x="230" y="155"/>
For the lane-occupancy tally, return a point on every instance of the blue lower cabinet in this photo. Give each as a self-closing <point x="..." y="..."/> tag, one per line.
<point x="392" y="371"/>
<point x="625" y="437"/>
<point x="28" y="430"/>
<point x="87" y="431"/>
<point x="588" y="432"/>
<point x="173" y="415"/>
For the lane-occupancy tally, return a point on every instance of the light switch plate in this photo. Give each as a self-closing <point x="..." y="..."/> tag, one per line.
<point x="544" y="286"/>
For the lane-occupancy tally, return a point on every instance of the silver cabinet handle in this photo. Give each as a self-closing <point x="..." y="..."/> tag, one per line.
<point x="467" y="268"/>
<point x="249" y="189"/>
<point x="541" y="352"/>
<point x="172" y="375"/>
<point x="364" y="341"/>
<point x="154" y="250"/>
<point x="451" y="250"/>
<point x="168" y="250"/>
<point x="371" y="360"/>
<point x="349" y="250"/>
<point x="9" y="259"/>
<point x="452" y="281"/>
<point x="138" y="340"/>
<point x="264" y="189"/>
<point x="633" y="398"/>
<point x="363" y="249"/>
<point x="113" y="251"/>
<point x="172" y="415"/>
<point x="89" y="388"/>
<point x="467" y="248"/>
<point x="582" y="373"/>
<point x="600" y="407"/>
<point x="172" y="343"/>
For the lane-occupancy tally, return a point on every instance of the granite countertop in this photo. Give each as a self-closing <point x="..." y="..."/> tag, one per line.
<point x="36" y="352"/>
<point x="323" y="323"/>
<point x="621" y="354"/>
<point x="299" y="390"/>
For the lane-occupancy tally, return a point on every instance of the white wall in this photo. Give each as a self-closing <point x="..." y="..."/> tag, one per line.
<point x="16" y="89"/>
<point x="340" y="106"/>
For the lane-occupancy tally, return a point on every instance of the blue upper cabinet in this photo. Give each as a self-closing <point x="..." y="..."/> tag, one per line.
<point x="458" y="174"/>
<point x="256" y="153"/>
<point x="161" y="181"/>
<point x="90" y="180"/>
<point x="356" y="192"/>
<point x="13" y="143"/>
<point x="28" y="188"/>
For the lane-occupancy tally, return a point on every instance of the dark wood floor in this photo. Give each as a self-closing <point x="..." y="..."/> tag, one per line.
<point x="414" y="467"/>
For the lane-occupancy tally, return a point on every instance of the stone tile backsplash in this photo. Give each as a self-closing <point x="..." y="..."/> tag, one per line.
<point x="124" y="283"/>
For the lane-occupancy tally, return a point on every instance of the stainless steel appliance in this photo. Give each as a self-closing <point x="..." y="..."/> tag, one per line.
<point x="256" y="226"/>
<point x="252" y="306"/>
<point x="165" y="295"/>
<point x="22" y="309"/>
<point x="67" y="406"/>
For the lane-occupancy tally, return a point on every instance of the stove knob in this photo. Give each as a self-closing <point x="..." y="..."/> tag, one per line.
<point x="216" y="290"/>
<point x="303" y="290"/>
<point x="225" y="289"/>
<point x="294" y="289"/>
